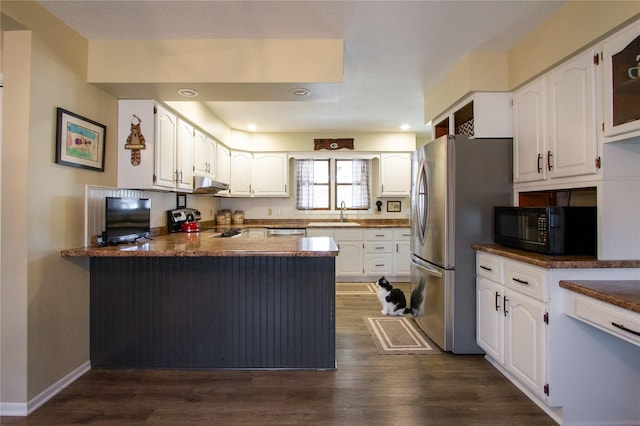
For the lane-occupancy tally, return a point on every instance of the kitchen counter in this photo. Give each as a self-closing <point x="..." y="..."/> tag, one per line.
<point x="206" y="244"/>
<point x="625" y="294"/>
<point x="198" y="301"/>
<point x="554" y="262"/>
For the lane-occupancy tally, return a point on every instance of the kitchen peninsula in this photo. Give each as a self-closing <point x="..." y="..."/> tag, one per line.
<point x="190" y="300"/>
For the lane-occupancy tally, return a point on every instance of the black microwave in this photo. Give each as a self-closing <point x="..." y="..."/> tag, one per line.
<point x="547" y="230"/>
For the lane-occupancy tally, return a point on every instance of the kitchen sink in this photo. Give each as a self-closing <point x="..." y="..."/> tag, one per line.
<point x="332" y="224"/>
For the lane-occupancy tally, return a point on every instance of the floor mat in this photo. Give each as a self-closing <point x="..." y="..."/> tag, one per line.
<point x="355" y="289"/>
<point x="399" y="335"/>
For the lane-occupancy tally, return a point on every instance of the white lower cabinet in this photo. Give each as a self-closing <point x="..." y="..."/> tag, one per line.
<point x="378" y="249"/>
<point x="365" y="254"/>
<point x="576" y="373"/>
<point x="511" y="326"/>
<point x="402" y="252"/>
<point x="351" y="252"/>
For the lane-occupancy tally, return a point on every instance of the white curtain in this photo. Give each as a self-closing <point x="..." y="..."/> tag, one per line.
<point x="304" y="184"/>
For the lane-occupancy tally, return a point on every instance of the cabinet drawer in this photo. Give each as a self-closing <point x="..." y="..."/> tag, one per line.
<point x="347" y="234"/>
<point x="526" y="280"/>
<point x="319" y="232"/>
<point x="378" y="264"/>
<point x="611" y="319"/>
<point x="378" y="247"/>
<point x="402" y="234"/>
<point x="378" y="234"/>
<point x="489" y="266"/>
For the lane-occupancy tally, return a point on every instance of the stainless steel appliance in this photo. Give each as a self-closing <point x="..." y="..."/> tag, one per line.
<point x="547" y="230"/>
<point x="456" y="184"/>
<point x="183" y="220"/>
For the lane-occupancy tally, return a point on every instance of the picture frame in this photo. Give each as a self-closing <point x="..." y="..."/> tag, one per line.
<point x="80" y="142"/>
<point x="394" y="206"/>
<point x="181" y="200"/>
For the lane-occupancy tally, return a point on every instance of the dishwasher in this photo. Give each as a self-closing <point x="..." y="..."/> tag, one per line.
<point x="281" y="232"/>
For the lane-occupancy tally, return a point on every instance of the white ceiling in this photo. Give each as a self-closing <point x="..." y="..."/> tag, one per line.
<point x="394" y="51"/>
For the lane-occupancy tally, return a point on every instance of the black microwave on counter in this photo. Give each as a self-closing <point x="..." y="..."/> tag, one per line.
<point x="547" y="230"/>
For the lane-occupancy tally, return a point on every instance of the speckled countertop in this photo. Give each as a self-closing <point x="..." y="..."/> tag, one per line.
<point x="625" y="294"/>
<point x="207" y="243"/>
<point x="554" y="262"/>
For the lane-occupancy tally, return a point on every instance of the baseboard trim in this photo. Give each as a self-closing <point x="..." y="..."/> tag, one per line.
<point x="19" y="409"/>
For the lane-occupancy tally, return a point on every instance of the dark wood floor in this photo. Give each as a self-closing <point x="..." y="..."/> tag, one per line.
<point x="367" y="389"/>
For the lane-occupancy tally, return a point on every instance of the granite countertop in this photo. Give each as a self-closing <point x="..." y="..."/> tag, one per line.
<point x="625" y="294"/>
<point x="554" y="262"/>
<point x="205" y="244"/>
<point x="303" y="223"/>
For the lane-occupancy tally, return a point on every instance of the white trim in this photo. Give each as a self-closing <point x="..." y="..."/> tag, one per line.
<point x="22" y="409"/>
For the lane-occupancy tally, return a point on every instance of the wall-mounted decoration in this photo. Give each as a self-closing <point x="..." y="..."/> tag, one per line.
<point x="135" y="140"/>
<point x="332" y="144"/>
<point x="181" y="200"/>
<point x="394" y="206"/>
<point x="79" y="141"/>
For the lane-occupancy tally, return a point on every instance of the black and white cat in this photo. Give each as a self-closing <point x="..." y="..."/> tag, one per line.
<point x="392" y="299"/>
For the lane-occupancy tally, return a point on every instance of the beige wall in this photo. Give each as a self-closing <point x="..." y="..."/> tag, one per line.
<point x="571" y="29"/>
<point x="46" y="202"/>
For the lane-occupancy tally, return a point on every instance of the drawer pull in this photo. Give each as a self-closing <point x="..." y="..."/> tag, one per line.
<point x="486" y="268"/>
<point x="378" y="264"/>
<point x="521" y="281"/>
<point x="379" y="248"/>
<point x="622" y="327"/>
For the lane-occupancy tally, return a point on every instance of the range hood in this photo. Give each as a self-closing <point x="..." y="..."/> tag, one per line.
<point x="206" y="185"/>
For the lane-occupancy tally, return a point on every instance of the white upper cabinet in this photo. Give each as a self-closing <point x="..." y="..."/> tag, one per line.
<point x="241" y="174"/>
<point x="621" y="83"/>
<point x="166" y="139"/>
<point x="529" y="132"/>
<point x="204" y="155"/>
<point x="270" y="175"/>
<point x="184" y="156"/>
<point x="573" y="146"/>
<point x="223" y="166"/>
<point x="395" y="175"/>
<point x="555" y="125"/>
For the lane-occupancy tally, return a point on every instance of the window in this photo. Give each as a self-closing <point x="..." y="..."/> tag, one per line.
<point x="312" y="185"/>
<point x="314" y="188"/>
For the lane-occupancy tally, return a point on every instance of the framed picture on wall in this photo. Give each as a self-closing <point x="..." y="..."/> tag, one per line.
<point x="79" y="141"/>
<point x="394" y="206"/>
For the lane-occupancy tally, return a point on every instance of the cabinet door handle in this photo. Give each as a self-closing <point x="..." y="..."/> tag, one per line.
<point x="486" y="268"/>
<point x="497" y="301"/>
<point x="504" y="303"/>
<point x="549" y="157"/>
<point x="622" y="327"/>
<point x="520" y="281"/>
<point x="539" y="163"/>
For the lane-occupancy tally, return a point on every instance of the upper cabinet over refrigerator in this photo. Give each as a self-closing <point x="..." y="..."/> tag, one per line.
<point x="621" y="57"/>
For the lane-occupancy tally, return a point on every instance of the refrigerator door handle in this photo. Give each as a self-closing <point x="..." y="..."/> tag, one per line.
<point x="420" y="265"/>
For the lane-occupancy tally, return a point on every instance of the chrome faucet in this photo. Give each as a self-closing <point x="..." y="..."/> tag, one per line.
<point x="343" y="206"/>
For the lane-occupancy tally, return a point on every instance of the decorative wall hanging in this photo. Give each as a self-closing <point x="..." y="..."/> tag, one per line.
<point x="79" y="141"/>
<point x="135" y="140"/>
<point x="394" y="206"/>
<point x="332" y="143"/>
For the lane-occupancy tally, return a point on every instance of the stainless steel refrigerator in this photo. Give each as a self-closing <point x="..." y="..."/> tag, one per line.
<point x="456" y="183"/>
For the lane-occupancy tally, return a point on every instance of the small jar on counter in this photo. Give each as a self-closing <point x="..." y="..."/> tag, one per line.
<point x="238" y="217"/>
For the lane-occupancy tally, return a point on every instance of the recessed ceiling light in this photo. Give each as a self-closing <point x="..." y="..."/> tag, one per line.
<point x="405" y="127"/>
<point x="251" y="127"/>
<point x="188" y="93"/>
<point x="300" y="91"/>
